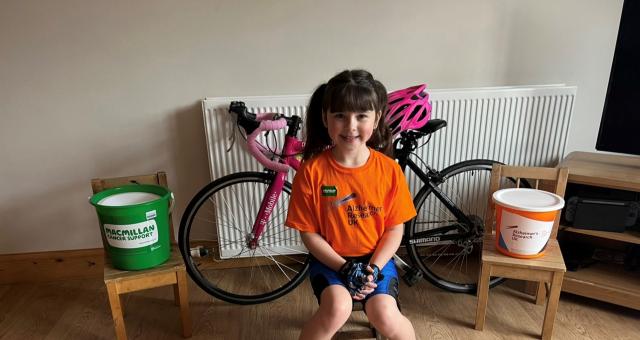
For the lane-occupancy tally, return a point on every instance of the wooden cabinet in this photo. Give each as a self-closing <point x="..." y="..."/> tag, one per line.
<point x="605" y="282"/>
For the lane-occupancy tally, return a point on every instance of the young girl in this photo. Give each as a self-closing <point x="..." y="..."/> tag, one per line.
<point x="349" y="201"/>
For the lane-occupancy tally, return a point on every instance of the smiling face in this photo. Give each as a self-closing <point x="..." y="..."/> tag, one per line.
<point x="352" y="104"/>
<point x="350" y="131"/>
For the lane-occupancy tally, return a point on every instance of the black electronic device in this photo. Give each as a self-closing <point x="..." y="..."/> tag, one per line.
<point x="600" y="214"/>
<point x="620" y="118"/>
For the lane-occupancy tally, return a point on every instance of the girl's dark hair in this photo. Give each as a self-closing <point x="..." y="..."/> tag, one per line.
<point x="348" y="91"/>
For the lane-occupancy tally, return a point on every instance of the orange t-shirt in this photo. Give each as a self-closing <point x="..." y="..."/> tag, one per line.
<point x="349" y="207"/>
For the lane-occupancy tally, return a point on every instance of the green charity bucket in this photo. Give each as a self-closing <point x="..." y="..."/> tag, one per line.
<point x="134" y="223"/>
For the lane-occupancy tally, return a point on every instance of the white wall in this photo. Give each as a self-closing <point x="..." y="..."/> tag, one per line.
<point x="113" y="88"/>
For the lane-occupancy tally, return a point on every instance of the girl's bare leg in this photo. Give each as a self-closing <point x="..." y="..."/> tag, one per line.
<point x="335" y="309"/>
<point x="384" y="315"/>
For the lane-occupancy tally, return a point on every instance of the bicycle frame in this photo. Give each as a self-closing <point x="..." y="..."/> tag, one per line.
<point x="292" y="147"/>
<point x="402" y="150"/>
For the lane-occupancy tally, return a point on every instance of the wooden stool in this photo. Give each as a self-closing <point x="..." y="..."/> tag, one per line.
<point x="368" y="333"/>
<point x="549" y="268"/>
<point x="172" y="272"/>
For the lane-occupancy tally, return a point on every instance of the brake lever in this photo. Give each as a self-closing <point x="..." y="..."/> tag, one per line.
<point x="238" y="108"/>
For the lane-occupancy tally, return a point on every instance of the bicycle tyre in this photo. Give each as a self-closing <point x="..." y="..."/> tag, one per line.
<point x="455" y="275"/>
<point x="256" y="275"/>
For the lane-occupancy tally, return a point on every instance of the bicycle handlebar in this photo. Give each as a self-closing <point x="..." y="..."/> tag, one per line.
<point x="251" y="121"/>
<point x="254" y="124"/>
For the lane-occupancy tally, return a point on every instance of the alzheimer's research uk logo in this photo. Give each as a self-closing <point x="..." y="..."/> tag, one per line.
<point x="329" y="190"/>
<point x="344" y="200"/>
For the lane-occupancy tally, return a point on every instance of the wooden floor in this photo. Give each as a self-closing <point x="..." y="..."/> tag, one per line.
<point x="79" y="310"/>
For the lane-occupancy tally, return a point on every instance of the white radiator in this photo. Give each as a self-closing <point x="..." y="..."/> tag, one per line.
<point x="514" y="125"/>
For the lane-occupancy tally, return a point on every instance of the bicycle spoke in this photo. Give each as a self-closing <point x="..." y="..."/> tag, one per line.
<point x="289" y="257"/>
<point x="448" y="265"/>
<point x="443" y="252"/>
<point x="276" y="262"/>
<point x="454" y="261"/>
<point x="236" y="269"/>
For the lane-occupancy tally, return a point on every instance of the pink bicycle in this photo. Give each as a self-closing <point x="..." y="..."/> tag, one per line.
<point x="236" y="247"/>
<point x="237" y="221"/>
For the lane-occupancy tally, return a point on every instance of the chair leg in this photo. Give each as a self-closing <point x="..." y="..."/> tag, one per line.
<point x="552" y="305"/>
<point x="116" y="311"/>
<point x="541" y="293"/>
<point x="483" y="295"/>
<point x="176" y="293"/>
<point x="182" y="296"/>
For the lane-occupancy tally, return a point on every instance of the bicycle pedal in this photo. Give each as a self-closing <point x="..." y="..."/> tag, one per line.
<point x="412" y="276"/>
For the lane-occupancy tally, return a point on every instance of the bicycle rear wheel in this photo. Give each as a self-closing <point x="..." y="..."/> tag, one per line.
<point x="215" y="231"/>
<point x="452" y="264"/>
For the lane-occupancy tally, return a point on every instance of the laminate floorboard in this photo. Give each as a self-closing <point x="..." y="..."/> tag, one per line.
<point x="79" y="309"/>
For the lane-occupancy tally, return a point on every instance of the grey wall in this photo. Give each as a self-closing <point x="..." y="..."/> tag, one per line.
<point x="113" y="88"/>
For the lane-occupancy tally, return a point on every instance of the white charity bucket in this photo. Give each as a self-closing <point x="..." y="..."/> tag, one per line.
<point x="524" y="220"/>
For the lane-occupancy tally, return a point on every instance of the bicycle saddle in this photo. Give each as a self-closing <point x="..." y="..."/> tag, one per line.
<point x="433" y="125"/>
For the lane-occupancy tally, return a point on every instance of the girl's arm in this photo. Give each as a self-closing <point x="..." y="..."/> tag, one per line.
<point x="388" y="245"/>
<point x="321" y="250"/>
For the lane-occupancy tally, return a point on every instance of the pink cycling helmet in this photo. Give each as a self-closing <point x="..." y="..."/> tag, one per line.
<point x="408" y="109"/>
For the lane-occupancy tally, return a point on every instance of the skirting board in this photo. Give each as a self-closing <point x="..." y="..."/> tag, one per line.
<point x="89" y="263"/>
<point x="52" y="266"/>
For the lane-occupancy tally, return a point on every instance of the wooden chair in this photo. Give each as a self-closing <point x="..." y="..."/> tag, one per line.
<point x="172" y="272"/>
<point x="549" y="268"/>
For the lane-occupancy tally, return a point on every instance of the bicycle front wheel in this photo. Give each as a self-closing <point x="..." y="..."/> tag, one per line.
<point x="445" y="249"/>
<point x="216" y="241"/>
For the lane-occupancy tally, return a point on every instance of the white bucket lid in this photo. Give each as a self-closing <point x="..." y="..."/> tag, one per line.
<point x="532" y="200"/>
<point x="128" y="198"/>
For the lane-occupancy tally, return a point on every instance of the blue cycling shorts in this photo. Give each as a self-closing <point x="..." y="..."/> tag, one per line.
<point x="322" y="276"/>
